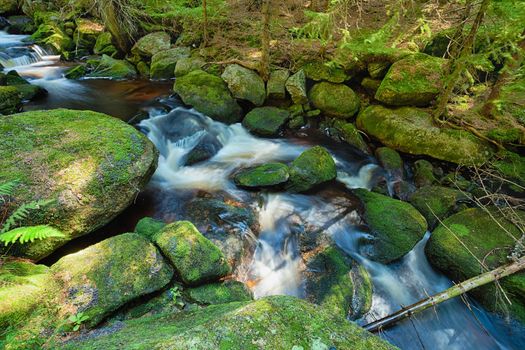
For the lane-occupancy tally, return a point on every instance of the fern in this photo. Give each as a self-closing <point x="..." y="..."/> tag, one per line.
<point x="6" y="190"/>
<point x="29" y="234"/>
<point x="22" y="213"/>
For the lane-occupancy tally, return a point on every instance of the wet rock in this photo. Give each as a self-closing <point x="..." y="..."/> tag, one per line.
<point x="163" y="63"/>
<point x="151" y="44"/>
<point x="105" y="46"/>
<point x="245" y="84"/>
<point x="148" y="227"/>
<point x="267" y="175"/>
<point x="209" y="95"/>
<point x="220" y="293"/>
<point x="296" y="87"/>
<point x="348" y="133"/>
<point x="51" y="34"/>
<point x="188" y="64"/>
<point x="319" y="71"/>
<point x="396" y="226"/>
<point x="336" y="100"/>
<point x="410" y="130"/>
<point x="276" y="86"/>
<point x="104" y="276"/>
<point x="266" y="121"/>
<point x="26" y="90"/>
<point x="488" y="242"/>
<point x="378" y="70"/>
<point x="54" y="156"/>
<point x="413" y="81"/>
<point x="20" y="25"/>
<point x="424" y="173"/>
<point x="391" y="161"/>
<point x="313" y="167"/>
<point x="10" y="100"/>
<point x="195" y="258"/>
<point x="86" y="33"/>
<point x="112" y="68"/>
<point x="76" y="72"/>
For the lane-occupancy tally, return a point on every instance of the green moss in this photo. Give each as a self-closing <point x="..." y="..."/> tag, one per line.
<point x="112" y="68"/>
<point x="396" y="225"/>
<point x="506" y="135"/>
<point x="163" y="63"/>
<point x="151" y="44"/>
<point x="423" y="173"/>
<point x="335" y="100"/>
<point x="245" y="84"/>
<point x="296" y="87"/>
<point x="390" y="160"/>
<point x="319" y="71"/>
<point x="371" y="85"/>
<point x="511" y="166"/>
<point x="75" y="72"/>
<point x="52" y="34"/>
<point x="266" y="175"/>
<point x="104" y="45"/>
<point x="220" y="293"/>
<point x="266" y="121"/>
<point x="148" y="227"/>
<point x="188" y="64"/>
<point x="275" y="87"/>
<point x="349" y="134"/>
<point x="313" y="167"/>
<point x="10" y="101"/>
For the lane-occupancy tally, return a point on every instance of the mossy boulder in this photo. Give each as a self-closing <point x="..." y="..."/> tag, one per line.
<point x="151" y="44"/>
<point x="337" y="283"/>
<point x="423" y="173"/>
<point x="104" y="276"/>
<point x="371" y="85"/>
<point x="105" y="46"/>
<point x="266" y="121"/>
<point x="267" y="175"/>
<point x="296" y="87"/>
<point x="396" y="226"/>
<point x="219" y="293"/>
<point x="92" y="166"/>
<point x="163" y="63"/>
<point x="10" y="100"/>
<point x="318" y="71"/>
<point x="391" y="161"/>
<point x="209" y="95"/>
<point x="76" y="72"/>
<point x="378" y="70"/>
<point x="148" y="227"/>
<point x="53" y="35"/>
<point x="313" y="167"/>
<point x="412" y="131"/>
<point x="278" y="322"/>
<point x="415" y="80"/>
<point x="8" y="7"/>
<point x="348" y="133"/>
<point x="336" y="100"/>
<point x="188" y="64"/>
<point x="488" y="242"/>
<point x="26" y="90"/>
<point x="276" y="86"/>
<point x="111" y="68"/>
<point x="86" y="33"/>
<point x="511" y="166"/>
<point x="245" y="84"/>
<point x="195" y="258"/>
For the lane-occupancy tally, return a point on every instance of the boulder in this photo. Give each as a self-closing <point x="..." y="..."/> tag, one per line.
<point x="52" y="35"/>
<point x="163" y="63"/>
<point x="188" y="64"/>
<point x="92" y="166"/>
<point x="413" y="81"/>
<point x="245" y="84"/>
<point x="396" y="226"/>
<point x="10" y="100"/>
<point x="26" y="90"/>
<point x="112" y="68"/>
<point x="371" y="85"/>
<point x="105" y="46"/>
<point x="313" y="167"/>
<point x="75" y="72"/>
<point x="220" y="293"/>
<point x="391" y="161"/>
<point x="266" y="121"/>
<point x="378" y="70"/>
<point x="267" y="175"/>
<point x="195" y="258"/>
<point x="487" y="241"/>
<point x="319" y="71"/>
<point x="151" y="44"/>
<point x="209" y="95"/>
<point x="86" y="33"/>
<point x="424" y="173"/>
<point x="348" y="133"/>
<point x="296" y="87"/>
<point x="336" y="100"/>
<point x="148" y="227"/>
<point x="276" y="86"/>
<point x="412" y="131"/>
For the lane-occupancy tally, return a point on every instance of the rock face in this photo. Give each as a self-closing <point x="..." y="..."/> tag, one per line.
<point x="275" y="88"/>
<point x="266" y="121"/>
<point x="112" y="68"/>
<point x="396" y="225"/>
<point x="104" y="276"/>
<point x="196" y="259"/>
<point x="10" y="101"/>
<point x="318" y="71"/>
<point x="267" y="175"/>
<point x="336" y="100"/>
<point x="245" y="84"/>
<point x="410" y="130"/>
<point x="163" y="63"/>
<point x="220" y="293"/>
<point x="489" y="242"/>
<point x="416" y="81"/>
<point x="209" y="95"/>
<point x="313" y="167"/>
<point x="53" y="154"/>
<point x="278" y="322"/>
<point x="296" y="87"/>
<point x="151" y="44"/>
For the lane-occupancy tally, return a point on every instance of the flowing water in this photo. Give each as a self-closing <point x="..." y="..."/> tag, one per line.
<point x="276" y="265"/>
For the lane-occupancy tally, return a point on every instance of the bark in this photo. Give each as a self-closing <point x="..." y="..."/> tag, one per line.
<point x="265" y="40"/>
<point x="205" y="23"/>
<point x="450" y="293"/>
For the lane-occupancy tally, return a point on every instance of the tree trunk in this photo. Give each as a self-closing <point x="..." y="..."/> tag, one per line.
<point x="265" y="40"/>
<point x="205" y="24"/>
<point x="457" y="37"/>
<point x="458" y="63"/>
<point x="450" y="293"/>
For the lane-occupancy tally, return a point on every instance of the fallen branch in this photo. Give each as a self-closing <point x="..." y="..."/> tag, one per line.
<point x="450" y="293"/>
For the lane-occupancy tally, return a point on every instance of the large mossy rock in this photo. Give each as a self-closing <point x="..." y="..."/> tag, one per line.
<point x="188" y="64"/>
<point x="92" y="166"/>
<point x="53" y="35"/>
<point x="151" y="44"/>
<point x="245" y="84"/>
<point x="411" y="130"/>
<point x="149" y="227"/>
<point x="163" y="63"/>
<point x="220" y="293"/>
<point x="10" y="100"/>
<point x="209" y="95"/>
<point x="413" y="81"/>
<point x="319" y="71"/>
<point x="195" y="258"/>
<point x="112" y="68"/>
<point x="266" y="121"/>
<point x="336" y="100"/>
<point x="313" y="167"/>
<point x="396" y="226"/>
<point x="8" y="7"/>
<point x="86" y="33"/>
<point x="338" y="283"/>
<point x="104" y="45"/>
<point x="279" y="322"/>
<point x="490" y="243"/>
<point x="296" y="87"/>
<point x="266" y="175"/>
<point x="104" y="276"/>
<point x="276" y="86"/>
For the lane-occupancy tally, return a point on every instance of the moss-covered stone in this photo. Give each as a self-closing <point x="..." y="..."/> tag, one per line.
<point x="195" y="258"/>
<point x="313" y="167"/>
<point x="279" y="322"/>
<point x="148" y="227"/>
<point x="267" y="175"/>
<point x="209" y="95"/>
<point x="424" y="173"/>
<point x="296" y="87"/>
<point x="86" y="33"/>
<point x="410" y="130"/>
<point x="319" y="71"/>
<point x="245" y="84"/>
<point x="20" y="25"/>
<point x="397" y="226"/>
<point x="371" y="85"/>
<point x="105" y="46"/>
<point x="506" y="135"/>
<point x="276" y="86"/>
<point x="76" y="72"/>
<point x="338" y="283"/>
<point x="378" y="70"/>
<point x="415" y="80"/>
<point x="10" y="100"/>
<point x="349" y="134"/>
<point x="90" y="164"/>
<point x="151" y="44"/>
<point x="53" y="35"/>
<point x="163" y="63"/>
<point x="220" y="293"/>
<point x="266" y="121"/>
<point x="188" y="64"/>
<point x="8" y="7"/>
<point x="488" y="242"/>
<point x="391" y="161"/>
<point x="336" y="100"/>
<point x="29" y="92"/>
<point x="112" y="68"/>
<point x="511" y="166"/>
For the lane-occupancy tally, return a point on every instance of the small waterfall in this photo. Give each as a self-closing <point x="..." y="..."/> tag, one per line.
<point x="35" y="54"/>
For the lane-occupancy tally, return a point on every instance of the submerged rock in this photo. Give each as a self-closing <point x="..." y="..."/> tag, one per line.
<point x="151" y="44"/>
<point x="313" y="167"/>
<point x="266" y="121"/>
<point x="10" y="100"/>
<point x="245" y="84"/>
<point x="267" y="175"/>
<point x="411" y="130"/>
<point x="163" y="63"/>
<point x="296" y="87"/>
<point x="112" y="68"/>
<point x="209" y="95"/>
<point x="220" y="293"/>
<point x="276" y="86"/>
<point x="336" y="100"/>
<point x="91" y="165"/>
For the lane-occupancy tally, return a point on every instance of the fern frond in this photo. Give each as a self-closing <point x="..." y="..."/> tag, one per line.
<point x="29" y="234"/>
<point x="22" y="212"/>
<point x="7" y="189"/>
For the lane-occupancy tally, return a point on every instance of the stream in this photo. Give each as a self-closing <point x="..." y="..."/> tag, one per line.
<point x="277" y="264"/>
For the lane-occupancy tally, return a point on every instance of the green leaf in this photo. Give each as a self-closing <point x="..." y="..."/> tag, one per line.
<point x="29" y="234"/>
